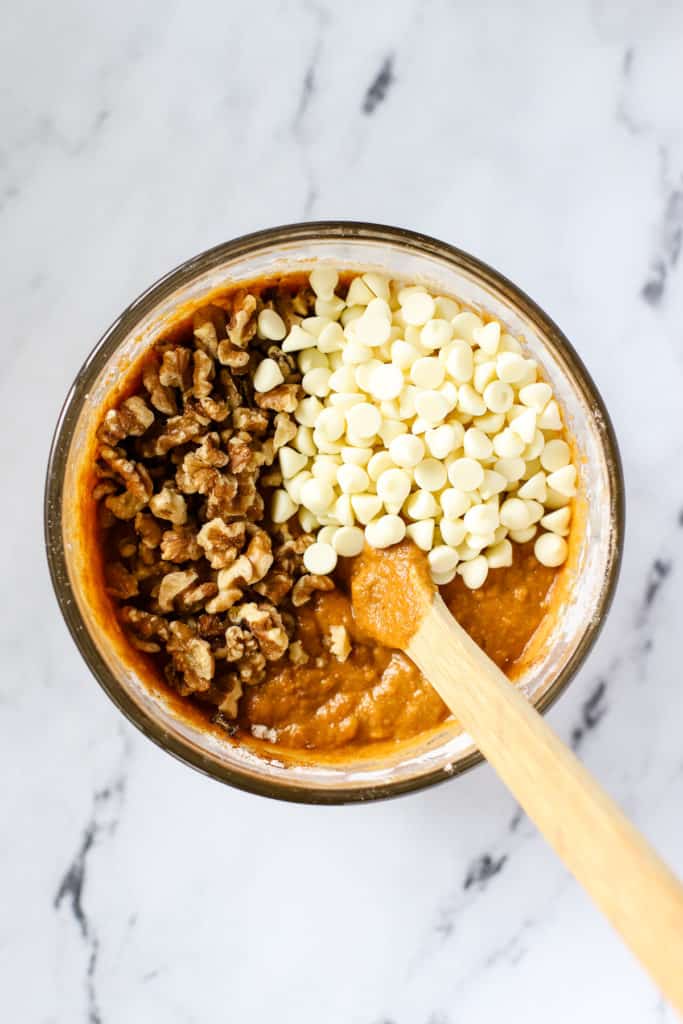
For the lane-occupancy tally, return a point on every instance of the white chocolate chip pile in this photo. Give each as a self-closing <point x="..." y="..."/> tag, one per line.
<point x="419" y="420"/>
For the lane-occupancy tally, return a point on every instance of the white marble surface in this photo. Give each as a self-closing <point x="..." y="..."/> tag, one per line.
<point x="545" y="139"/>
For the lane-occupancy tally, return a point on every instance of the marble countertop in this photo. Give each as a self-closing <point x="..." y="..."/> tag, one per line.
<point x="546" y="140"/>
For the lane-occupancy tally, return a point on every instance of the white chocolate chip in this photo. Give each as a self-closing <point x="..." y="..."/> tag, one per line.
<point x="307" y="520"/>
<point x="330" y="423"/>
<point x="470" y="402"/>
<point x="393" y="486"/>
<point x="421" y="505"/>
<point x="558" y="521"/>
<point x="417" y="308"/>
<point x="430" y="474"/>
<point x="348" y="541"/>
<point x="359" y="294"/>
<point x="442" y="579"/>
<point x="317" y="496"/>
<point x="481" y="519"/>
<point x="477" y="444"/>
<point x="355" y="353"/>
<point x="267" y="376"/>
<point x="524" y="425"/>
<point x="550" y="549"/>
<point x="488" y="337"/>
<point x="324" y="446"/>
<point x="563" y="481"/>
<point x="372" y="330"/>
<point x="490" y="423"/>
<point x="522" y="536"/>
<point x="535" y="447"/>
<point x="550" y="418"/>
<point x="432" y="406"/>
<point x="478" y="541"/>
<point x="323" y="281"/>
<point x="294" y="485"/>
<point x="465" y="324"/>
<point x="419" y="426"/>
<point x="435" y="334"/>
<point x="386" y="382"/>
<point x="303" y="441"/>
<point x="536" y="396"/>
<point x="514" y="514"/>
<point x="427" y="373"/>
<point x="366" y="506"/>
<point x="332" y="308"/>
<point x="352" y="479"/>
<point x="342" y="510"/>
<point x="363" y="419"/>
<point x="556" y="455"/>
<point x="510" y="367"/>
<point x="270" y="325"/>
<point x="534" y="488"/>
<point x="310" y="358"/>
<point x="452" y="531"/>
<point x="493" y="483"/>
<point x="484" y="373"/>
<point x="298" y="339"/>
<point x="391" y="429"/>
<point x="442" y="559"/>
<point x="331" y="338"/>
<point x="443" y="440"/>
<point x="291" y="462"/>
<point x="507" y="444"/>
<point x="363" y="371"/>
<point x="343" y="380"/>
<point x="307" y="411"/>
<point x="350" y="314"/>
<point x="509" y="344"/>
<point x="403" y="354"/>
<point x="282" y="507"/>
<point x="474" y="572"/>
<point x="555" y="500"/>
<point x="422" y="533"/>
<point x="325" y="467"/>
<point x="466" y="474"/>
<point x="320" y="558"/>
<point x="499" y="555"/>
<point x="511" y="468"/>
<point x="407" y="450"/>
<point x="454" y="503"/>
<point x="317" y="382"/>
<point x="377" y="284"/>
<point x="406" y="402"/>
<point x="385" y="531"/>
<point x="315" y="325"/>
<point x="326" y="534"/>
<point x="358" y="456"/>
<point x="379" y="462"/>
<point x="535" y="510"/>
<point x="446" y="307"/>
<point x="460" y="364"/>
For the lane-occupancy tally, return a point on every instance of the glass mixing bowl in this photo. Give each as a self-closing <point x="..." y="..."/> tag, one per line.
<point x="403" y="254"/>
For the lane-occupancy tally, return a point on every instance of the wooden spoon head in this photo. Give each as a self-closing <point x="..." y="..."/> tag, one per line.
<point x="391" y="591"/>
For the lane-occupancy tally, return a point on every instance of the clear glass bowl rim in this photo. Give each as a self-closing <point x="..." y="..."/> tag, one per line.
<point x="260" y="242"/>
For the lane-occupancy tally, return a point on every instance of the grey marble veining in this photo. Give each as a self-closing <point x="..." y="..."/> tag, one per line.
<point x="545" y="139"/>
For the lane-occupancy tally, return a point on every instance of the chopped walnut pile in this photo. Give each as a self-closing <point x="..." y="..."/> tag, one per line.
<point x="183" y="462"/>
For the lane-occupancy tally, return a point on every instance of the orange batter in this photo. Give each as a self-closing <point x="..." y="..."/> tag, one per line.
<point x="377" y="693"/>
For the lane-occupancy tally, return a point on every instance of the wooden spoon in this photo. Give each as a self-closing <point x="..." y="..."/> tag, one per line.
<point x="395" y="602"/>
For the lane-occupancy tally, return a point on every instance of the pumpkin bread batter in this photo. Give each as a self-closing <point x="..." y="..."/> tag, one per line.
<point x="214" y="597"/>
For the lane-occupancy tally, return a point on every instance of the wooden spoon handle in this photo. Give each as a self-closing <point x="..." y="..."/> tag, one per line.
<point x="625" y="877"/>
